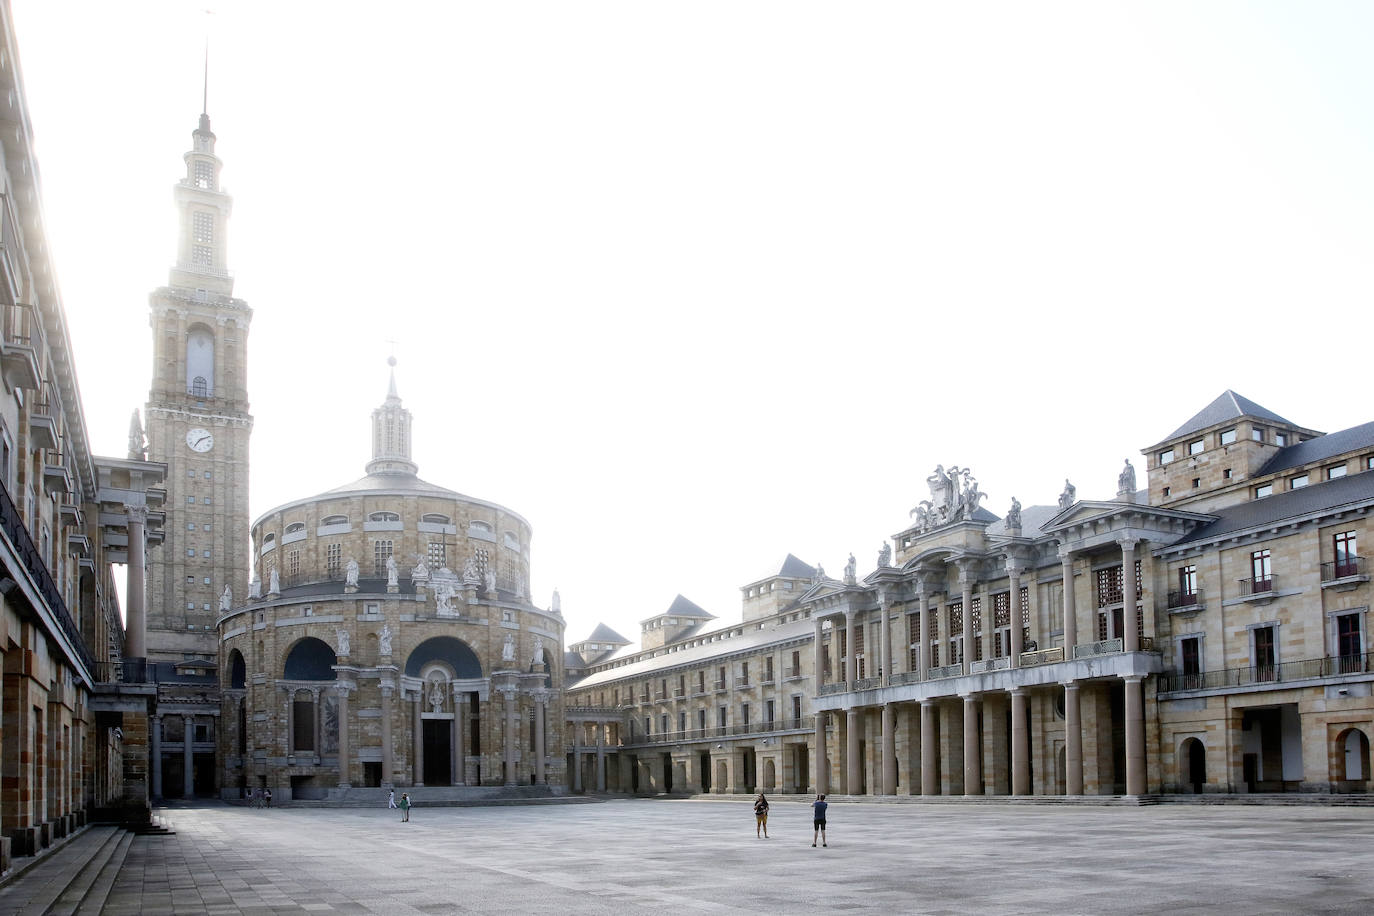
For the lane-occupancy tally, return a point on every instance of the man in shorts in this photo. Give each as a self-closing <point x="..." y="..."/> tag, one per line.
<point x="818" y="819"/>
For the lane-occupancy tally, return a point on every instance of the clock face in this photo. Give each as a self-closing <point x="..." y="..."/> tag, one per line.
<point x="200" y="440"/>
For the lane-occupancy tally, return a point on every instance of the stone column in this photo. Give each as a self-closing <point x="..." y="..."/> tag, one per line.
<point x="417" y="739"/>
<point x="1135" y="736"/>
<point x="1131" y="637"/>
<point x="136" y="615"/>
<point x="885" y="643"/>
<point x="822" y="765"/>
<point x="342" y="690"/>
<point x="889" y="751"/>
<point x="973" y="766"/>
<point x="508" y="695"/>
<point x="966" y="588"/>
<point x="1014" y="603"/>
<point x="1020" y="750"/>
<point x="942" y="634"/>
<point x="319" y="724"/>
<point x="1070" y="608"/>
<point x="930" y="784"/>
<point x="851" y="659"/>
<point x="1073" y="742"/>
<point x="601" y="761"/>
<point x="290" y="721"/>
<point x="156" y="722"/>
<point x="540" y="704"/>
<point x="852" y="762"/>
<point x="188" y="782"/>
<point x="388" y="761"/>
<point x="458" y="768"/>
<point x="819" y="659"/>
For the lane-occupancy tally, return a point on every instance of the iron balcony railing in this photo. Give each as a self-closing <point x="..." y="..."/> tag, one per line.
<point x="1184" y="599"/>
<point x="1284" y="672"/>
<point x="742" y="682"/>
<point x="1258" y="585"/>
<point x="14" y="528"/>
<point x="728" y="731"/>
<point x="1343" y="569"/>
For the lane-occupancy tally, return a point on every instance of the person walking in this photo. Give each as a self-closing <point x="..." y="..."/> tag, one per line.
<point x="267" y="797"/>
<point x="391" y="799"/>
<point x="405" y="807"/>
<point x="818" y="819"/>
<point x="761" y="816"/>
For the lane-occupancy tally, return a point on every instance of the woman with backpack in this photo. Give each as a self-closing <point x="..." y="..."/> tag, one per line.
<point x="761" y="816"/>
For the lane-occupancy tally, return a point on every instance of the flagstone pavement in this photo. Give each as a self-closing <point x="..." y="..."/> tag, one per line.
<point x="641" y="856"/>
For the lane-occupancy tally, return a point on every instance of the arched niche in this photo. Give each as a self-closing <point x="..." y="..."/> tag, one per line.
<point x="454" y="653"/>
<point x="238" y="671"/>
<point x="310" y="659"/>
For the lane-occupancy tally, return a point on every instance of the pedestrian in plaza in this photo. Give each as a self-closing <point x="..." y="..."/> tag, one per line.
<point x="391" y="799"/>
<point x="761" y="816"/>
<point x="255" y="798"/>
<point x="818" y="819"/>
<point x="267" y="797"/>
<point x="405" y="807"/>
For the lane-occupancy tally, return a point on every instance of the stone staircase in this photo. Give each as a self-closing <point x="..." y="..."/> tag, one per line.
<point x="75" y="877"/>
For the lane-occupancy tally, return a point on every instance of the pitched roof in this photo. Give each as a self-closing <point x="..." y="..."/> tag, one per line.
<point x="1320" y="448"/>
<point x="603" y="633"/>
<point x="1281" y="506"/>
<point x="796" y="569"/>
<point x="681" y="607"/>
<point x="1229" y="406"/>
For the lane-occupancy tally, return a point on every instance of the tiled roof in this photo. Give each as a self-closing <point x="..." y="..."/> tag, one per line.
<point x="1293" y="504"/>
<point x="1321" y="448"/>
<point x="603" y="633"/>
<point x="796" y="569"/>
<point x="681" y="607"/>
<point x="1229" y="406"/>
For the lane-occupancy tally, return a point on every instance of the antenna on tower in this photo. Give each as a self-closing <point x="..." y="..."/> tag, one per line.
<point x="205" y="87"/>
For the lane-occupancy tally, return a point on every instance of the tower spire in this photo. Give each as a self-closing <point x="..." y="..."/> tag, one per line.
<point x="391" y="433"/>
<point x="205" y="86"/>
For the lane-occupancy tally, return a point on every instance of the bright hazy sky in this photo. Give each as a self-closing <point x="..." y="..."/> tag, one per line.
<point x="695" y="285"/>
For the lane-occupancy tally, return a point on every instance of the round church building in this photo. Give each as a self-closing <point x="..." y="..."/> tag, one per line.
<point x="388" y="640"/>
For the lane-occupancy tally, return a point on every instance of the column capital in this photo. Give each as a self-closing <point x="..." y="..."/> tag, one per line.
<point x="1019" y="691"/>
<point x="1066" y="555"/>
<point x="344" y="688"/>
<point x="1070" y="685"/>
<point x="1133" y="678"/>
<point x="928" y="702"/>
<point x="137" y="513"/>
<point x="1127" y="542"/>
<point x="1015" y="566"/>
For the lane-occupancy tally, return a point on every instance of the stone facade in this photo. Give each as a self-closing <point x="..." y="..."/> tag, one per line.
<point x="1206" y="634"/>
<point x="387" y="641"/>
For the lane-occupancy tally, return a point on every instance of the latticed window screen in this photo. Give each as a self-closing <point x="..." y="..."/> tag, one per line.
<point x="381" y="552"/>
<point x="1025" y="615"/>
<point x="1102" y="626"/>
<point x="859" y="639"/>
<point x="333" y="559"/>
<point x="913" y="627"/>
<point x="956" y="618"/>
<point x="480" y="557"/>
<point x="436" y="554"/>
<point x="203" y="228"/>
<point x="1001" y="610"/>
<point x="1140" y="624"/>
<point x="1108" y="586"/>
<point x="205" y="175"/>
<point x="202" y="255"/>
<point x="1139" y="584"/>
<point x="293" y="563"/>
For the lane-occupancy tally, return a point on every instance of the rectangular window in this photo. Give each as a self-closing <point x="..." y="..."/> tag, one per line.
<point x="203" y="228"/>
<point x="1297" y="483"/>
<point x="768" y="670"/>
<point x="1228" y="436"/>
<point x="1281" y="439"/>
<point x="190" y="473"/>
<point x="744" y="713"/>
<point x="1257" y="433"/>
<point x="701" y="719"/>
<point x="1191" y="655"/>
<point x="682" y="721"/>
<point x="190" y="500"/>
<point x="663" y="724"/>
<point x="190" y="526"/>
<point x="381" y="552"/>
<point x="1348" y="647"/>
<point x="1344" y="554"/>
<point x="437" y="555"/>
<point x="303" y="725"/>
<point x="1261" y="577"/>
<point x="1264" y="490"/>
<point x="293" y="563"/>
<point x="190" y="551"/>
<point x="1335" y="471"/>
<point x="205" y="175"/>
<point x="1166" y="456"/>
<point x="202" y="256"/>
<point x="720" y="717"/>
<point x="1195" y="447"/>
<point x="768" y="712"/>
<point x="796" y="707"/>
<point x="1265" y="655"/>
<point x="1187" y="581"/>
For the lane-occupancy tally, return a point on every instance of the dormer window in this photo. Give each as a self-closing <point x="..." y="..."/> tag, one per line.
<point x="1195" y="447"/>
<point x="383" y="517"/>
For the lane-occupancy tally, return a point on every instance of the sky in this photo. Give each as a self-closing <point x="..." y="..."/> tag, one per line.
<point x="692" y="286"/>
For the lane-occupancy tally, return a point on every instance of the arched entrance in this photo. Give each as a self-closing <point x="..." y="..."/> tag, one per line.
<point x="1192" y="766"/>
<point x="770" y="775"/>
<point x="722" y="776"/>
<point x="449" y="733"/>
<point x="1351" y="763"/>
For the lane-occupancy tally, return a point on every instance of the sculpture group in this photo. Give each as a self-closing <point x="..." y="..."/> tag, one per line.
<point x="954" y="497"/>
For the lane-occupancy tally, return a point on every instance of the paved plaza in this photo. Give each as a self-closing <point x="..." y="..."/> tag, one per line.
<point x="640" y="856"/>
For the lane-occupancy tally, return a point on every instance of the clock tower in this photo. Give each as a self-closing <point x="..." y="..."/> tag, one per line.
<point x="198" y="421"/>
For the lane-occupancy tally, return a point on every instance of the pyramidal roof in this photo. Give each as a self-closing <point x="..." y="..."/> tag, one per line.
<point x="603" y="633"/>
<point x="681" y="607"/>
<point x="1229" y="406"/>
<point x="796" y="569"/>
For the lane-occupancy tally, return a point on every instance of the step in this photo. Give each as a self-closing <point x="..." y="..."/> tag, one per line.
<point x="79" y="888"/>
<point x="99" y="891"/>
<point x="40" y="884"/>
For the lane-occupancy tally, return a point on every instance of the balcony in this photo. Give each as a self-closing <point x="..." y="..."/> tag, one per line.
<point x="1259" y="589"/>
<point x="18" y="353"/>
<point x="741" y="682"/>
<point x="793" y="674"/>
<point x="679" y="692"/>
<point x="945" y="671"/>
<point x="1258" y="675"/>
<point x="79" y="544"/>
<point x="1049" y="656"/>
<point x="643" y="698"/>
<point x="56" y="477"/>
<point x="838" y="687"/>
<point x="805" y="723"/>
<point x="42" y="426"/>
<point x="71" y="514"/>
<point x="989" y="664"/>
<point x="1343" y="575"/>
<point x="1101" y="647"/>
<point x="719" y="685"/>
<point x="1181" y="602"/>
<point x="868" y="683"/>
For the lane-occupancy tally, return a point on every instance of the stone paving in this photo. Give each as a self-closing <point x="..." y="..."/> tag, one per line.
<point x="642" y="856"/>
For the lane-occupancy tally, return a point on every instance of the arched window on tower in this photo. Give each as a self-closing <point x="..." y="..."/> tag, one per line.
<point x="200" y="362"/>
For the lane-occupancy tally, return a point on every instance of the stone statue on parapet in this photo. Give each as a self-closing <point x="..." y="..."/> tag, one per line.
<point x="851" y="576"/>
<point x="226" y="599"/>
<point x="508" y="650"/>
<point x="1126" y="482"/>
<point x="538" y="660"/>
<point x="1013" y="519"/>
<point x="420" y="573"/>
<point x="885" y="555"/>
<point x="343" y="641"/>
<point x="392" y="573"/>
<point x="557" y="606"/>
<point x="1069" y="496"/>
<point x="136" y="450"/>
<point x="351" y="573"/>
<point x="273" y="582"/>
<point x="820" y="574"/>
<point x="255" y="588"/>
<point x="384" y="640"/>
